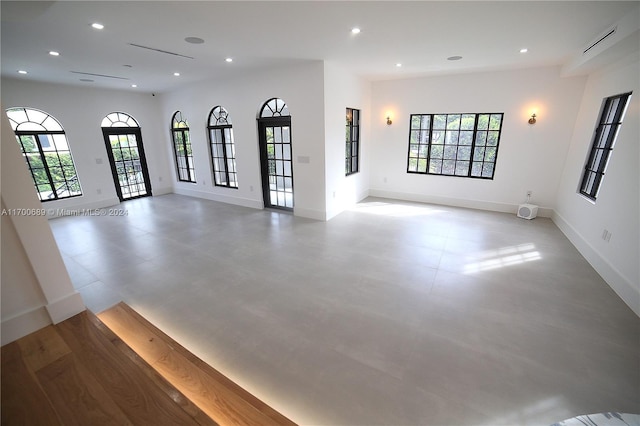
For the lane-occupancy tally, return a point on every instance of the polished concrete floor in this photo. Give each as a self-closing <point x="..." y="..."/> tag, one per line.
<point x="391" y="313"/>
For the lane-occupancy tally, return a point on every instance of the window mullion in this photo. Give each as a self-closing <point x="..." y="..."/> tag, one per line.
<point x="46" y="167"/>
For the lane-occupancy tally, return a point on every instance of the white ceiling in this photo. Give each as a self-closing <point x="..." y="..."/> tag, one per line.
<point x="418" y="34"/>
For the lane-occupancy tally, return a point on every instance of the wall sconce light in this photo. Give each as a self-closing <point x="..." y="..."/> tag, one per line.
<point x="389" y="120"/>
<point x="532" y="120"/>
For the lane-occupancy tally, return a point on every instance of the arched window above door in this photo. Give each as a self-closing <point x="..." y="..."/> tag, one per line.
<point x="182" y="148"/>
<point x="46" y="150"/>
<point x="274" y="107"/>
<point x="119" y="119"/>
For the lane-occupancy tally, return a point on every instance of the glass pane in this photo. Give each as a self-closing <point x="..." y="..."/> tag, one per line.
<point x="462" y="168"/>
<point x="466" y="138"/>
<point x="487" y="170"/>
<point x="494" y="123"/>
<point x="448" y="167"/>
<point x="464" y="153"/>
<point x="476" y="169"/>
<point x="415" y="122"/>
<point x="425" y="122"/>
<point x="435" y="166"/>
<point x="450" y="152"/>
<point x="453" y="122"/>
<point x="437" y="137"/>
<point x="452" y="138"/>
<point x="483" y="121"/>
<point x="287" y="168"/>
<point x="440" y="122"/>
<point x="468" y="121"/>
<point x="437" y="151"/>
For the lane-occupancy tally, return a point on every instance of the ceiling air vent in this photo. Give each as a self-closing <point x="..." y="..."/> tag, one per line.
<point x="606" y="35"/>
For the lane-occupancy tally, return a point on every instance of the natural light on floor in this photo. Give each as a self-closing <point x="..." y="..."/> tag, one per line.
<point x="394" y="210"/>
<point x="505" y="256"/>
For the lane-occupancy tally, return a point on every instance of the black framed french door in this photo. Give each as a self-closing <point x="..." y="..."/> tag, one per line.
<point x="128" y="162"/>
<point x="276" y="162"/>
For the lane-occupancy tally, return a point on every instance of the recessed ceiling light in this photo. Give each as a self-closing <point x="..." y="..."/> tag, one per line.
<point x="398" y="65"/>
<point x="54" y="53"/>
<point x="97" y="26"/>
<point x="22" y="72"/>
<point x="86" y="80"/>
<point x="355" y="30"/>
<point x="524" y="50"/>
<point x="454" y="58"/>
<point x="177" y="74"/>
<point x="194" y="40"/>
<point x="134" y="85"/>
<point x="128" y="66"/>
<point x="229" y="60"/>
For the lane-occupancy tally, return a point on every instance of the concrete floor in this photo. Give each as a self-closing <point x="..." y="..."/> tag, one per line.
<point x="391" y="313"/>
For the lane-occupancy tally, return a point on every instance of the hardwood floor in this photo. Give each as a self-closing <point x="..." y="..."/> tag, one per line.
<point x="80" y="372"/>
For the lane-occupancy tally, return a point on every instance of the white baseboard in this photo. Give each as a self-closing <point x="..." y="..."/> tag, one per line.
<point x="310" y="213"/>
<point x="623" y="286"/>
<point x="239" y="201"/>
<point x="455" y="202"/>
<point x="66" y="307"/>
<point x="24" y="323"/>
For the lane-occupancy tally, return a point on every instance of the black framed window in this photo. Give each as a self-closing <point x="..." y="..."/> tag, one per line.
<point x="352" y="154"/>
<point x="464" y="145"/>
<point x="182" y="148"/>
<point x="611" y="116"/>
<point x="46" y="150"/>
<point x="223" y="150"/>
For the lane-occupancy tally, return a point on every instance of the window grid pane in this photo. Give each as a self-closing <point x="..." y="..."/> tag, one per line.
<point x="352" y="150"/>
<point x="47" y="154"/>
<point x="604" y="139"/>
<point x="464" y="145"/>
<point x="223" y="152"/>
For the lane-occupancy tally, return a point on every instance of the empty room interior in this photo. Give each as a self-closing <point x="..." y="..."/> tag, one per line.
<point x="385" y="212"/>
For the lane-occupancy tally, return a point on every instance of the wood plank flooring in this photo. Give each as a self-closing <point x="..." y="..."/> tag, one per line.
<point x="211" y="391"/>
<point x="81" y="372"/>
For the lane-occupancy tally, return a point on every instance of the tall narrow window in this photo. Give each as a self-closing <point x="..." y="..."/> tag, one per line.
<point x="611" y="117"/>
<point x="223" y="151"/>
<point x="352" y="156"/>
<point x="464" y="145"/>
<point x="182" y="148"/>
<point x="46" y="150"/>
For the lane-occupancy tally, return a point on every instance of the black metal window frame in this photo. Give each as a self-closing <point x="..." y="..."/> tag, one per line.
<point x="222" y="148"/>
<point x="46" y="166"/>
<point x="182" y="148"/>
<point x="611" y="115"/>
<point x="352" y="135"/>
<point x="454" y="144"/>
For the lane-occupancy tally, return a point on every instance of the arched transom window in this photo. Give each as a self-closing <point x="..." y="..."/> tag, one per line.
<point x="274" y="107"/>
<point x="46" y="150"/>
<point x="119" y="119"/>
<point x="182" y="148"/>
<point x="223" y="151"/>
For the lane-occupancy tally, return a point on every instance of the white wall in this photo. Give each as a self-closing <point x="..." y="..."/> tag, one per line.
<point x="617" y="208"/>
<point x="300" y="86"/>
<point x="36" y="288"/>
<point x="530" y="157"/>
<point x="80" y="110"/>
<point x="342" y="90"/>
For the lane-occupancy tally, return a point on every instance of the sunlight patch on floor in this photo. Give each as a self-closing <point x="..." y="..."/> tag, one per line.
<point x="394" y="210"/>
<point x="504" y="256"/>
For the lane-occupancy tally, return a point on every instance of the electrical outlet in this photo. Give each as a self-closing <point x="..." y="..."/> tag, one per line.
<point x="606" y="235"/>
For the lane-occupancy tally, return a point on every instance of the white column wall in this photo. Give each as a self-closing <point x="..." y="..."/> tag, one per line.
<point x="617" y="208"/>
<point x="341" y="90"/>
